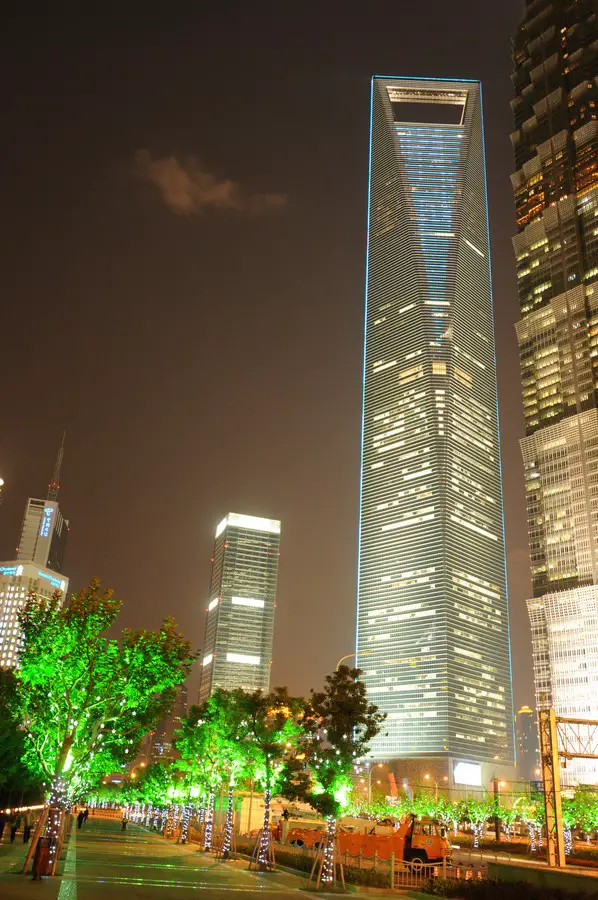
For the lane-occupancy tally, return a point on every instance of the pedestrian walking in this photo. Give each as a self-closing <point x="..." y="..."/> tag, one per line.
<point x="86" y="815"/>
<point x="124" y="821"/>
<point x="14" y="824"/>
<point x="80" y="819"/>
<point x="27" y="823"/>
<point x="2" y="822"/>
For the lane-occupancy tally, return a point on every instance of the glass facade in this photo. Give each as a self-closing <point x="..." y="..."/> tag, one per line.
<point x="555" y="55"/>
<point x="432" y="604"/>
<point x="240" y="613"/>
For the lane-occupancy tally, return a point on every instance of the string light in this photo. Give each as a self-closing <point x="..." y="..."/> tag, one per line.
<point x="185" y="823"/>
<point x="209" y="822"/>
<point x="263" y="857"/>
<point x="328" y="861"/>
<point x="228" y="825"/>
<point x="568" y="841"/>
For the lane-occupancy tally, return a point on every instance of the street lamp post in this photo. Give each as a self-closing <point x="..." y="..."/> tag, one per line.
<point x="378" y="766"/>
<point x="351" y="655"/>
<point x="428" y="777"/>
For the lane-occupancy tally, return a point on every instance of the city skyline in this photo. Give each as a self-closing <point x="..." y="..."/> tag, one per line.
<point x="432" y="608"/>
<point x="131" y="299"/>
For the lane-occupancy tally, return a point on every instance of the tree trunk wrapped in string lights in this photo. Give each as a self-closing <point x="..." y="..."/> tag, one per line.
<point x="185" y="819"/>
<point x="227" y="840"/>
<point x="263" y="857"/>
<point x="329" y="851"/>
<point x="209" y="829"/>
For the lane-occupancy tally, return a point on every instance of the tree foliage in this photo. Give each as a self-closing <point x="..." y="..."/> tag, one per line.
<point x="14" y="775"/>
<point x="212" y="742"/>
<point x="85" y="700"/>
<point x="155" y="785"/>
<point x="341" y="725"/>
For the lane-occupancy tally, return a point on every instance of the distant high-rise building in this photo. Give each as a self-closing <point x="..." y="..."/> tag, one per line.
<point x="44" y="530"/>
<point x="240" y="613"/>
<point x="555" y="56"/>
<point x="432" y="599"/>
<point x="38" y="566"/>
<point x="161" y="746"/>
<point x="528" y="753"/>
<point x="17" y="579"/>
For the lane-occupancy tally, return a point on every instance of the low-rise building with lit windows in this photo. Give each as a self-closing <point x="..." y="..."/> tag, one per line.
<point x="17" y="579"/>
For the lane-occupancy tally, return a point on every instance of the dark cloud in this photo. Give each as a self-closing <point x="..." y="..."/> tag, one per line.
<point x="188" y="189"/>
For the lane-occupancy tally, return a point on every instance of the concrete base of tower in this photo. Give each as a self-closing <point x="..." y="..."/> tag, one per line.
<point x="453" y="777"/>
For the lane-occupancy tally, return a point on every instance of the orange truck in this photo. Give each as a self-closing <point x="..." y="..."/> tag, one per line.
<point x="411" y="840"/>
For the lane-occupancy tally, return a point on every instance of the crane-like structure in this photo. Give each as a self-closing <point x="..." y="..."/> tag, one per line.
<point x="54" y="485"/>
<point x="561" y="739"/>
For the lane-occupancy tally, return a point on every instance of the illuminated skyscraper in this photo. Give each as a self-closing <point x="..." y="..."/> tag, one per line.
<point x="160" y="745"/>
<point x="432" y="603"/>
<point x="44" y="531"/>
<point x="555" y="141"/>
<point x="240" y="614"/>
<point x="39" y="562"/>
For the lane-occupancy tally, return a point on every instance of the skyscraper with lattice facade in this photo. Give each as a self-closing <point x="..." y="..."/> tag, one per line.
<point x="432" y="629"/>
<point x="555" y="54"/>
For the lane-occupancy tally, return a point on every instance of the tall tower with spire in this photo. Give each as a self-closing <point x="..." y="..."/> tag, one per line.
<point x="39" y="565"/>
<point x="45" y="530"/>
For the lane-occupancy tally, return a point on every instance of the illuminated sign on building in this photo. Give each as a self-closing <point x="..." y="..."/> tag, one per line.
<point x="44" y="529"/>
<point x="468" y="773"/>
<point x="53" y="581"/>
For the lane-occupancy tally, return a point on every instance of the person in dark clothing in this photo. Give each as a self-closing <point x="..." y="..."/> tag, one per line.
<point x="2" y="823"/>
<point x="80" y="819"/>
<point x="86" y="815"/>
<point x="124" y="821"/>
<point x="27" y="823"/>
<point x="15" y="824"/>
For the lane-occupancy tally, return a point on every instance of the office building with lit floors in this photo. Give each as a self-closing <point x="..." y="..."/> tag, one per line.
<point x="555" y="142"/>
<point x="432" y="620"/>
<point x="161" y="738"/>
<point x="240" y="613"/>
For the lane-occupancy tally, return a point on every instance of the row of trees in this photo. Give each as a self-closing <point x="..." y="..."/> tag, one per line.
<point x="301" y="749"/>
<point x="580" y="812"/>
<point x="80" y="701"/>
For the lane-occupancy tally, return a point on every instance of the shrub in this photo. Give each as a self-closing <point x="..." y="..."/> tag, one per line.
<point x="495" y="890"/>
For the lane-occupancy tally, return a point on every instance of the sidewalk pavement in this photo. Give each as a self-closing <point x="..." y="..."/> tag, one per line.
<point x="103" y="861"/>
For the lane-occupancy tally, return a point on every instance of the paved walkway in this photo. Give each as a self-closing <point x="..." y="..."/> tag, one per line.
<point x="102" y="862"/>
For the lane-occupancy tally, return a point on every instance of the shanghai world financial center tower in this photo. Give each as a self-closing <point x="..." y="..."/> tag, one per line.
<point x="432" y="630"/>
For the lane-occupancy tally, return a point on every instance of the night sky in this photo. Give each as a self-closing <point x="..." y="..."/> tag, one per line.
<point x="183" y="233"/>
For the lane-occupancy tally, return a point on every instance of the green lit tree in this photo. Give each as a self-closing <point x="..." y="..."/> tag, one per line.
<point x="14" y="775"/>
<point x="153" y="785"/>
<point x="86" y="700"/>
<point x="200" y="742"/>
<point x="342" y="723"/>
<point x="274" y="724"/>
<point x="478" y="812"/>
<point x="585" y="811"/>
<point x="531" y="811"/>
